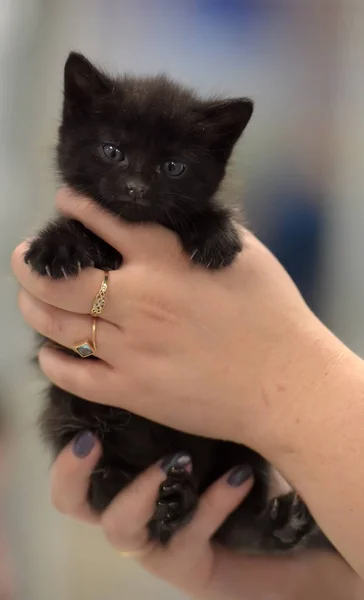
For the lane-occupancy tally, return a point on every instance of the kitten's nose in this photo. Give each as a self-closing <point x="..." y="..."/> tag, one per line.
<point x="135" y="188"/>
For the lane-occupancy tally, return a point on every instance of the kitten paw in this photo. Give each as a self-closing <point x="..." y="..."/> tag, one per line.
<point x="218" y="250"/>
<point x="58" y="258"/>
<point x="177" y="501"/>
<point x="288" y="521"/>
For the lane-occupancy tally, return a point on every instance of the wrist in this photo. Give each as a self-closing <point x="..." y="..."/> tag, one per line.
<point x="302" y="385"/>
<point x="318" y="444"/>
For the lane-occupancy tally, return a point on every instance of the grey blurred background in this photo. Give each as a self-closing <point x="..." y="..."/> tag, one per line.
<point x="301" y="164"/>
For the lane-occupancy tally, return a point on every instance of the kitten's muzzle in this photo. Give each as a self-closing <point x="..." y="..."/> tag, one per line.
<point x="136" y="189"/>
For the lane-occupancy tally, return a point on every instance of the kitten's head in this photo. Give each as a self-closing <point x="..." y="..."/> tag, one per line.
<point x="145" y="148"/>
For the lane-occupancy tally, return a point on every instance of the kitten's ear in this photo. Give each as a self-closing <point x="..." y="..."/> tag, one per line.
<point x="226" y="120"/>
<point x="83" y="82"/>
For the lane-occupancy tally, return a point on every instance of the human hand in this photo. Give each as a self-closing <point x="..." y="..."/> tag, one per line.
<point x="191" y="561"/>
<point x="176" y="341"/>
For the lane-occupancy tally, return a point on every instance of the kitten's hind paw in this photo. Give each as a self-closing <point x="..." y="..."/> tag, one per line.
<point x="177" y="501"/>
<point x="288" y="522"/>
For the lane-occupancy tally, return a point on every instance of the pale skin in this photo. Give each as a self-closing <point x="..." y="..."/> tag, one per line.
<point x="177" y="343"/>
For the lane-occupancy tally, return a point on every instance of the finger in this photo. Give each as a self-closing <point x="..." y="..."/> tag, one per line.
<point x="215" y="505"/>
<point x="125" y="521"/>
<point x="68" y="329"/>
<point x="83" y="378"/>
<point x="131" y="240"/>
<point x="75" y="294"/>
<point x="70" y="478"/>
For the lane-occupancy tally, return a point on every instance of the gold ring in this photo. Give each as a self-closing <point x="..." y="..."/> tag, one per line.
<point x="100" y="299"/>
<point x="88" y="348"/>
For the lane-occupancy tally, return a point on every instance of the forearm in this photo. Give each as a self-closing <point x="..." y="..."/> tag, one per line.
<point x="320" y="446"/>
<point x="313" y="576"/>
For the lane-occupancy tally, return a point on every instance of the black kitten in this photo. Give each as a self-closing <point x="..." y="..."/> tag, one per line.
<point x="149" y="150"/>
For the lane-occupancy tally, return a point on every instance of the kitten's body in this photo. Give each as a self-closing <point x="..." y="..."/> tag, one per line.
<point x="150" y="150"/>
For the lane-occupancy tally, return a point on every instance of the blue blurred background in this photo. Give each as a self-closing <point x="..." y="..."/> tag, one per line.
<point x="297" y="172"/>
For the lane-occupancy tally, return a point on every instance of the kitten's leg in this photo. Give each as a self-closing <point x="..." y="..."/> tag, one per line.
<point x="212" y="240"/>
<point x="65" y="247"/>
<point x="177" y="501"/>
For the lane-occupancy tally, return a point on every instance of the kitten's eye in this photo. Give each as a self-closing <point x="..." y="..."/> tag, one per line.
<point x="174" y="168"/>
<point x="113" y="153"/>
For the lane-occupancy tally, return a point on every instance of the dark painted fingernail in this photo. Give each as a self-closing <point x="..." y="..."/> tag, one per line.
<point x="239" y="474"/>
<point x="83" y="444"/>
<point x="179" y="461"/>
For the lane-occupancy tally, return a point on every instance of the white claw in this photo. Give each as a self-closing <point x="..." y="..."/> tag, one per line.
<point x="48" y="271"/>
<point x="194" y="253"/>
<point x="79" y="267"/>
<point x="274" y="509"/>
<point x="64" y="273"/>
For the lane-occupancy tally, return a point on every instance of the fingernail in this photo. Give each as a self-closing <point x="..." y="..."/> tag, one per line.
<point x="179" y="461"/>
<point x="83" y="444"/>
<point x="239" y="474"/>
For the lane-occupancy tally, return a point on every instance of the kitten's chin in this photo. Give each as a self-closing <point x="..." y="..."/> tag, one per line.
<point x="133" y="210"/>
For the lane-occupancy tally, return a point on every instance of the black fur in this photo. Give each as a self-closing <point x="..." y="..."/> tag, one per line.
<point x="117" y="140"/>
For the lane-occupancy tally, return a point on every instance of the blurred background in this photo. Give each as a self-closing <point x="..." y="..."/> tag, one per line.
<point x="300" y="162"/>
